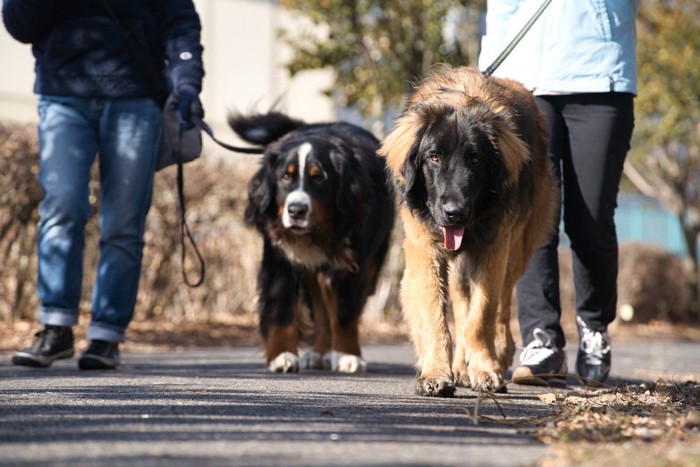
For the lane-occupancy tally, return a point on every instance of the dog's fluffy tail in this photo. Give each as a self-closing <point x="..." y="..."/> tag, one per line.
<point x="263" y="129"/>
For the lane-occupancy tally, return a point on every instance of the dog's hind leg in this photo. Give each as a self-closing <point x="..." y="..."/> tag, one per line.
<point x="459" y="298"/>
<point x="505" y="346"/>
<point x="322" y="338"/>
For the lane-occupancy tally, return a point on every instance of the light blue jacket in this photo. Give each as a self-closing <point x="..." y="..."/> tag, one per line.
<point x="575" y="46"/>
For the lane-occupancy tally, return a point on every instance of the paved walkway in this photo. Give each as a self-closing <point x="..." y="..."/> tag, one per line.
<point x="218" y="406"/>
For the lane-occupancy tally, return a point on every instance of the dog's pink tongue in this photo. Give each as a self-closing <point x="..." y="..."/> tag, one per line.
<point x="453" y="237"/>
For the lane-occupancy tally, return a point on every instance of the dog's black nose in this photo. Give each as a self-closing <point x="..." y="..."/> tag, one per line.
<point x="454" y="213"/>
<point x="297" y="210"/>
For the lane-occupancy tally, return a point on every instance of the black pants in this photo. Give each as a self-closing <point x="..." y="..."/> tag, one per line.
<point x="589" y="139"/>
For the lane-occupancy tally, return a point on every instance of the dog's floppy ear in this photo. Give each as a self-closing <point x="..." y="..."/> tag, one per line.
<point x="261" y="193"/>
<point x="398" y="144"/>
<point x="513" y="149"/>
<point x="411" y="170"/>
<point x="401" y="147"/>
<point x="351" y="185"/>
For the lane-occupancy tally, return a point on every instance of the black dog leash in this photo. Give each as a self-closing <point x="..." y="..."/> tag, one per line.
<point x="496" y="63"/>
<point x="184" y="228"/>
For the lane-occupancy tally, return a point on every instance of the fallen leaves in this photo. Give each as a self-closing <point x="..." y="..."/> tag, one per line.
<point x="647" y="412"/>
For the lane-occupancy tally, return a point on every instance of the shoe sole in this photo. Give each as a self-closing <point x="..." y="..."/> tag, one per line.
<point x="591" y="383"/>
<point x="96" y="362"/>
<point x="523" y="375"/>
<point x="37" y="361"/>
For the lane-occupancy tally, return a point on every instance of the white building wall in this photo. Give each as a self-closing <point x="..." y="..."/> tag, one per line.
<point x="243" y="59"/>
<point x="17" y="102"/>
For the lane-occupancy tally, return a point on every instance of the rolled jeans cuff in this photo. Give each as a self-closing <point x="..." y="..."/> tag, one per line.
<point x="58" y="316"/>
<point x="105" y="332"/>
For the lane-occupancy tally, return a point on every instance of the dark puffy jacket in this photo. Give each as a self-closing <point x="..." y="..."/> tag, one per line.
<point x="81" y="52"/>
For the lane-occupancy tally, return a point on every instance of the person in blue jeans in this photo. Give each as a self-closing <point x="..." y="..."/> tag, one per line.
<point x="579" y="61"/>
<point x="97" y="103"/>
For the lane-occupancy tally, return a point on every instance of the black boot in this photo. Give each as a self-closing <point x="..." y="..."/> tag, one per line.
<point x="53" y="343"/>
<point x="100" y="355"/>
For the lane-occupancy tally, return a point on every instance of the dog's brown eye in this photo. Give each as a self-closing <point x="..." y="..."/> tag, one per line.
<point x="286" y="179"/>
<point x="317" y="174"/>
<point x="435" y="157"/>
<point x="318" y="178"/>
<point x="475" y="160"/>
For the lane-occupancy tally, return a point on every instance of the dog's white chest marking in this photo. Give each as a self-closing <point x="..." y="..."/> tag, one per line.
<point x="303" y="251"/>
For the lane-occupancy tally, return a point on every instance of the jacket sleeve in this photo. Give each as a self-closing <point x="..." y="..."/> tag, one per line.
<point x="181" y="30"/>
<point x="28" y="21"/>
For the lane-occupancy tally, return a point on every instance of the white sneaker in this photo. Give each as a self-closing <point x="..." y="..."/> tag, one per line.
<point x="594" y="354"/>
<point x="541" y="363"/>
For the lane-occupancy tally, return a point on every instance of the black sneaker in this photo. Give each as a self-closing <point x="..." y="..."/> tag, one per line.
<point x="51" y="344"/>
<point x="100" y="355"/>
<point x="593" y="358"/>
<point x="541" y="363"/>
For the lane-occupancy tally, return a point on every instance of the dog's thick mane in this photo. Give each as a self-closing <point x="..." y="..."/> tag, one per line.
<point x="460" y="88"/>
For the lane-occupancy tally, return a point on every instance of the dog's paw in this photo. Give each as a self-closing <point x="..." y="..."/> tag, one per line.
<point x="314" y="361"/>
<point x="486" y="380"/>
<point x="345" y="362"/>
<point x="462" y="378"/>
<point x="460" y="370"/>
<point x="286" y="362"/>
<point x="435" y="387"/>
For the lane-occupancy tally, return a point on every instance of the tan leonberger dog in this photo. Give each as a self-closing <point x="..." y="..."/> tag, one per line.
<point x="478" y="198"/>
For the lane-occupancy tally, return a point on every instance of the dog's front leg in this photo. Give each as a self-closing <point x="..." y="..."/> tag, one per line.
<point x="314" y="358"/>
<point x="278" y="304"/>
<point x="485" y="372"/>
<point x="423" y="297"/>
<point x="343" y="298"/>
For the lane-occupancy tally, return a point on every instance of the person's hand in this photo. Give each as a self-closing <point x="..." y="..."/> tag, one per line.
<point x="188" y="105"/>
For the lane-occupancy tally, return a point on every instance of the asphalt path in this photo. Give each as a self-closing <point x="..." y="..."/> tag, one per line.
<point x="219" y="406"/>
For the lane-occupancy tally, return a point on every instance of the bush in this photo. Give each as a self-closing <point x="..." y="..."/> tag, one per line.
<point x="652" y="282"/>
<point x="654" y="285"/>
<point x="19" y="156"/>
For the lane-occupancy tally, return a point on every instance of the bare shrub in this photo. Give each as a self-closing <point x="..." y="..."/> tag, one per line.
<point x="653" y="284"/>
<point x="20" y="194"/>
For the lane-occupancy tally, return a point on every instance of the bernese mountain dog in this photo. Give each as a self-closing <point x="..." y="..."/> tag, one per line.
<point x="324" y="205"/>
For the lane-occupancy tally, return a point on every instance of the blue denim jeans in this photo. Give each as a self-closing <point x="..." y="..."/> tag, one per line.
<point x="73" y="132"/>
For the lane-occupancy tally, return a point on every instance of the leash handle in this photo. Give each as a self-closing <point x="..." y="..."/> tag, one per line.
<point x="509" y="48"/>
<point x="184" y="228"/>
